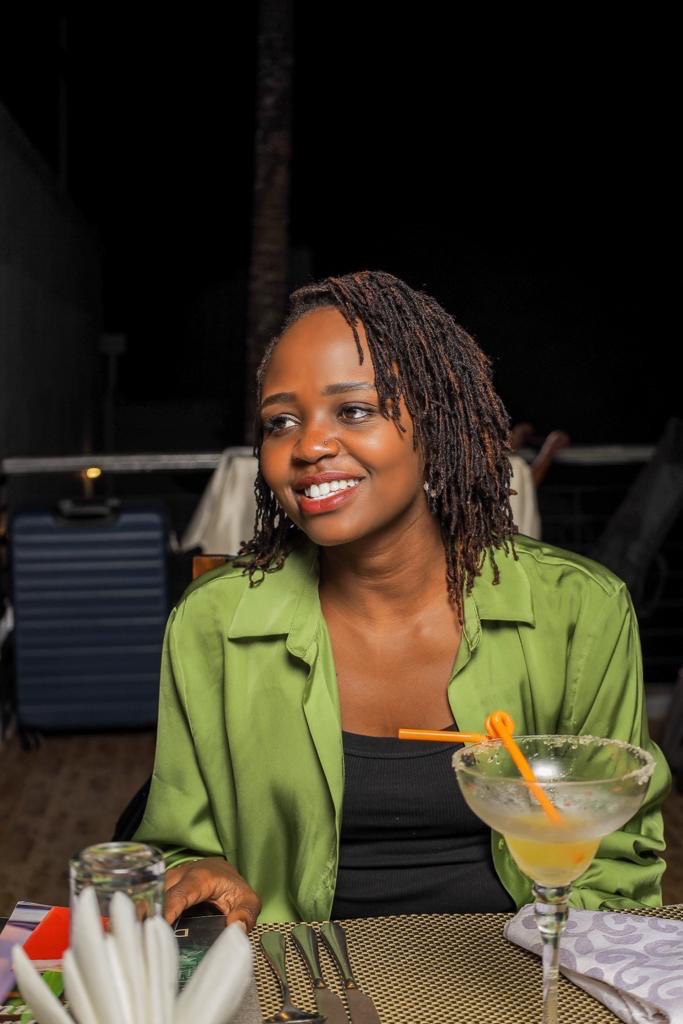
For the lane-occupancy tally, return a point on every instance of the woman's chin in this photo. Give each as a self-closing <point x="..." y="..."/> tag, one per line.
<point x="329" y="538"/>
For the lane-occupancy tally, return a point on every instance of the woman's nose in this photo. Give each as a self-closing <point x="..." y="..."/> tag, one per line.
<point x="315" y="444"/>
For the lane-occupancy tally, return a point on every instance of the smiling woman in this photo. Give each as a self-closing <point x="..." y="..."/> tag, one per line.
<point x="420" y="372"/>
<point x="383" y="587"/>
<point x="323" y="430"/>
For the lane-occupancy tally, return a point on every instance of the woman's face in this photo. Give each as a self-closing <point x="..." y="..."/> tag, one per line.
<point x="340" y="469"/>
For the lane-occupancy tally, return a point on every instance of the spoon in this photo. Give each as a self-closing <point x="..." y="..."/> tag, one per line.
<point x="273" y="945"/>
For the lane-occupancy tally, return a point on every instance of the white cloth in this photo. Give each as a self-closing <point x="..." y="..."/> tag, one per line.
<point x="226" y="511"/>
<point x="524" y="503"/>
<point x="631" y="964"/>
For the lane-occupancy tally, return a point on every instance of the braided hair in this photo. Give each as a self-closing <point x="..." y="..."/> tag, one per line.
<point x="419" y="353"/>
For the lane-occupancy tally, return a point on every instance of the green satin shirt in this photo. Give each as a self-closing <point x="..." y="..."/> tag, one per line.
<point x="249" y="762"/>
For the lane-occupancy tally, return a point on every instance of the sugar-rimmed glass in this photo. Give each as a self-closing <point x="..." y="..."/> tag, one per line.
<point x="596" y="784"/>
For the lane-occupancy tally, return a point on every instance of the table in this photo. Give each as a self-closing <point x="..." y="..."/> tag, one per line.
<point x="437" y="969"/>
<point x="432" y="969"/>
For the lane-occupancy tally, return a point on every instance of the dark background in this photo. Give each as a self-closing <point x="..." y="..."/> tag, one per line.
<point x="517" y="167"/>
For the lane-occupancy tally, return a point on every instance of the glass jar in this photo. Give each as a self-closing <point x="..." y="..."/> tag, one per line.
<point x="135" y="869"/>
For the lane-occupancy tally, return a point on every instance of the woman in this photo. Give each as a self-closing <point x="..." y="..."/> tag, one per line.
<point x="382" y="589"/>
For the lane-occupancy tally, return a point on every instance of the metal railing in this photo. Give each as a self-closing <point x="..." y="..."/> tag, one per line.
<point x="144" y="462"/>
<point x="151" y="462"/>
<point x="585" y="486"/>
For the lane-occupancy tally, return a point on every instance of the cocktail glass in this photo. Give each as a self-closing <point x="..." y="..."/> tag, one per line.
<point x="597" y="785"/>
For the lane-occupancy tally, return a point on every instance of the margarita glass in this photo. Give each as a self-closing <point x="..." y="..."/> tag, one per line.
<point x="597" y="785"/>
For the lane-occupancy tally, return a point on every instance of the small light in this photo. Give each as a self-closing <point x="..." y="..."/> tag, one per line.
<point x="92" y="472"/>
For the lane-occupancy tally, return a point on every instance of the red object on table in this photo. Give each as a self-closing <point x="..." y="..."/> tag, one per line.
<point x="51" y="937"/>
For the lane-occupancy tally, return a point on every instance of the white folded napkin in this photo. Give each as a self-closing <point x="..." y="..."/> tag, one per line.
<point x="631" y="964"/>
<point x="130" y="976"/>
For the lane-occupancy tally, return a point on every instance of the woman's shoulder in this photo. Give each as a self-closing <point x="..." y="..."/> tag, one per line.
<point x="213" y="595"/>
<point x="227" y="574"/>
<point x="550" y="565"/>
<point x="218" y="593"/>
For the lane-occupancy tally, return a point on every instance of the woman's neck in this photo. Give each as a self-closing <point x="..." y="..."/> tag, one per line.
<point x="388" y="576"/>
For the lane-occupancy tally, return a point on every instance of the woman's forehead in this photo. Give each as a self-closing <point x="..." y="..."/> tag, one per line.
<point x="320" y="344"/>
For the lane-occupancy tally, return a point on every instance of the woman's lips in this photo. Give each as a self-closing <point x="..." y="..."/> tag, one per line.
<point x="326" y="503"/>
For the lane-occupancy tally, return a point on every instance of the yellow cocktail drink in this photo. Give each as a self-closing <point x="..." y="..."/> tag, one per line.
<point x="556" y="863"/>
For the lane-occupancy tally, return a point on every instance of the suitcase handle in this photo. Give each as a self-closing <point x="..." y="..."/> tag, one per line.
<point x="97" y="512"/>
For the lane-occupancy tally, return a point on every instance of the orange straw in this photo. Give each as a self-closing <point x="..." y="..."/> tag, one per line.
<point x="442" y="737"/>
<point x="500" y="726"/>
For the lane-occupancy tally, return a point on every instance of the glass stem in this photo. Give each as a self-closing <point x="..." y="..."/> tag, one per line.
<point x="552" y="911"/>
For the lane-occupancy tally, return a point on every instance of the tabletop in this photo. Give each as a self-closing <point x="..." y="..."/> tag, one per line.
<point x="437" y="968"/>
<point x="431" y="968"/>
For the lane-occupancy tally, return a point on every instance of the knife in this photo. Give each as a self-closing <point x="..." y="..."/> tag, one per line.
<point x="329" y="1004"/>
<point x="361" y="1007"/>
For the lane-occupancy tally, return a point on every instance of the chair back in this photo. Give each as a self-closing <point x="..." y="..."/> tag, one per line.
<point x="205" y="563"/>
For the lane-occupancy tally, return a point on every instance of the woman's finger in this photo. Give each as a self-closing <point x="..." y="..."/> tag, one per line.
<point x="173" y="876"/>
<point x="245" y="910"/>
<point x="177" y="899"/>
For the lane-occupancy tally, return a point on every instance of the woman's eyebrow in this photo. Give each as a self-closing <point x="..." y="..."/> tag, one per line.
<point x="279" y="396"/>
<point x="329" y="389"/>
<point x="348" y="385"/>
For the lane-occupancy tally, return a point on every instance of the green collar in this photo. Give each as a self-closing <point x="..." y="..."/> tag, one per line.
<point x="287" y="602"/>
<point x="509" y="600"/>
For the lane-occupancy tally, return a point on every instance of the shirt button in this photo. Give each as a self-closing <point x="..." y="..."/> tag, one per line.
<point x="501" y="844"/>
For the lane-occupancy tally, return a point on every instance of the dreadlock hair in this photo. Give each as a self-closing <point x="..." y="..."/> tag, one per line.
<point x="419" y="353"/>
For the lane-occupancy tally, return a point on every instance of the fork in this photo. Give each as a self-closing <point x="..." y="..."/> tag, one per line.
<point x="274" y="946"/>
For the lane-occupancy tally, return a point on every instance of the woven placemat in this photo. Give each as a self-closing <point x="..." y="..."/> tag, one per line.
<point x="428" y="968"/>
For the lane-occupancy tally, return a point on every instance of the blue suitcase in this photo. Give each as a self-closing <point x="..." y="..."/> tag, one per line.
<point x="89" y="588"/>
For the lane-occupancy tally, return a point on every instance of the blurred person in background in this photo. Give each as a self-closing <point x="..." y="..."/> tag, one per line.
<point x="526" y="476"/>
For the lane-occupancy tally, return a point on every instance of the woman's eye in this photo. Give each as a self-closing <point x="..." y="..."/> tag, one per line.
<point x="278" y="424"/>
<point x="355" y="413"/>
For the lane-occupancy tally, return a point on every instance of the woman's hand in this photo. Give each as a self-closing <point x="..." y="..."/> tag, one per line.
<point x="211" y="880"/>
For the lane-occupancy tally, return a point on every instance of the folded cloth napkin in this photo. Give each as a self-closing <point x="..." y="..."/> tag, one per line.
<point x="632" y="964"/>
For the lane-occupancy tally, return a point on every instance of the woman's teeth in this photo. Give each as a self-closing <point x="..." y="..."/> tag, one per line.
<point x="321" y="490"/>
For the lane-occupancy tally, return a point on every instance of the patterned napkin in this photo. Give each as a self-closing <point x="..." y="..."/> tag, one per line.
<point x="632" y="964"/>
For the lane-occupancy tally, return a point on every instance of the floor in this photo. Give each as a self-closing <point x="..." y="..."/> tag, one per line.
<point x="69" y="792"/>
<point x="59" y="798"/>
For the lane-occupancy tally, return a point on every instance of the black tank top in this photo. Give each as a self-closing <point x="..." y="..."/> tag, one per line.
<point x="409" y="842"/>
